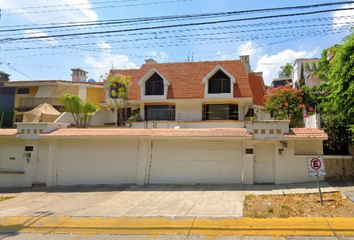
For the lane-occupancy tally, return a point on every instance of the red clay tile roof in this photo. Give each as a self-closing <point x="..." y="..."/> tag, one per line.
<point x="227" y="132"/>
<point x="8" y="132"/>
<point x="258" y="88"/>
<point x="186" y="78"/>
<point x="306" y="133"/>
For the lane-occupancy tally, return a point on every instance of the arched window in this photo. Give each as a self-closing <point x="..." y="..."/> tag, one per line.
<point x="219" y="83"/>
<point x="154" y="85"/>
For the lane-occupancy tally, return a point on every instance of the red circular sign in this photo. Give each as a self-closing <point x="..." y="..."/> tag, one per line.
<point x="315" y="164"/>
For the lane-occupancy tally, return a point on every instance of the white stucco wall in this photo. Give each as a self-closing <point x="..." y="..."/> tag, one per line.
<point x="290" y="165"/>
<point x="12" y="159"/>
<point x="101" y="117"/>
<point x="191" y="111"/>
<point x="313" y="121"/>
<point x="293" y="169"/>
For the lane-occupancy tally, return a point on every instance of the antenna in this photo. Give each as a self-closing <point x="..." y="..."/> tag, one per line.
<point x="112" y="64"/>
<point x="192" y="57"/>
<point x="188" y="57"/>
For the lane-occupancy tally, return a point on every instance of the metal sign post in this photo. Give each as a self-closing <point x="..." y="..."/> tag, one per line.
<point x="316" y="168"/>
<point x="319" y="189"/>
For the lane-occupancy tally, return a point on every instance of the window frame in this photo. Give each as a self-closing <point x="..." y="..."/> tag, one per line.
<point x="224" y="81"/>
<point x="233" y="108"/>
<point x="171" y="114"/>
<point x="18" y="91"/>
<point x="154" y="80"/>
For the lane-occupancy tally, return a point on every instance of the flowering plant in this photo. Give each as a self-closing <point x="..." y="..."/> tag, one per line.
<point x="285" y="103"/>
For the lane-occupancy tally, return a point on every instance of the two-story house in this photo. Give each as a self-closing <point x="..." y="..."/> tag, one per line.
<point x="194" y="132"/>
<point x="310" y="81"/>
<point x="30" y="94"/>
<point x="212" y="94"/>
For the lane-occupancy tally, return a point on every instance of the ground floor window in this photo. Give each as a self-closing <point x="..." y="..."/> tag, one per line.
<point x="220" y="112"/>
<point x="160" y="112"/>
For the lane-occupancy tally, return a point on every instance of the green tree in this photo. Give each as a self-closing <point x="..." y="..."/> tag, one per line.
<point x="118" y="87"/>
<point x="285" y="102"/>
<point x="80" y="109"/>
<point x="286" y="71"/>
<point x="302" y="77"/>
<point x="340" y="80"/>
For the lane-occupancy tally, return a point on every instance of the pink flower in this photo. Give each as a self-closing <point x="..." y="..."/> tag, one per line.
<point x="311" y="109"/>
<point x="286" y="104"/>
<point x="305" y="116"/>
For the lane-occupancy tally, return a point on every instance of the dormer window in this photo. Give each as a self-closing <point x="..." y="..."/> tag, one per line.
<point x="154" y="85"/>
<point x="219" y="83"/>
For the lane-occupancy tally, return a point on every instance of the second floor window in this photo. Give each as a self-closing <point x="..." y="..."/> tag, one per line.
<point x="154" y="85"/>
<point x="219" y="83"/>
<point x="23" y="91"/>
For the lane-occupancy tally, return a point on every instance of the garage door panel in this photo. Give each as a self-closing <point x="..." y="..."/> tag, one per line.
<point x="195" y="166"/>
<point x="97" y="162"/>
<point x="174" y="162"/>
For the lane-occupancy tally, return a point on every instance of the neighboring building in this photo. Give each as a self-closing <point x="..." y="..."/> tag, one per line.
<point x="213" y="94"/>
<point x="281" y="82"/>
<point x="310" y="81"/>
<point x="27" y="95"/>
<point x="7" y="100"/>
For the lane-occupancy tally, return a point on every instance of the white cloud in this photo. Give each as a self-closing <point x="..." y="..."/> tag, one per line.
<point x="102" y="64"/>
<point x="163" y="55"/>
<point x="248" y="49"/>
<point x="222" y="54"/>
<point x="154" y="54"/>
<point x="38" y="33"/>
<point x="341" y="18"/>
<point x="82" y="12"/>
<point x="270" y="64"/>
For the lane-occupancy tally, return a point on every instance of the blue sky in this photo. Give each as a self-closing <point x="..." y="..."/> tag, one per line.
<point x="48" y="61"/>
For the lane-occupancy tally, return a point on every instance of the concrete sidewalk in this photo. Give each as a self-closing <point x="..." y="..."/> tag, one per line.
<point x="209" y="201"/>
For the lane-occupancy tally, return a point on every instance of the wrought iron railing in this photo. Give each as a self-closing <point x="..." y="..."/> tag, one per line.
<point x="33" y="102"/>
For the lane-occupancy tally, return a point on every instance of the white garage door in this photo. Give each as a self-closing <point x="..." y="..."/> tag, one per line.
<point x="97" y="162"/>
<point x="191" y="162"/>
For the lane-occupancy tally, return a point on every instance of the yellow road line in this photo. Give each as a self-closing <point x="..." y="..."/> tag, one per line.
<point x="181" y="226"/>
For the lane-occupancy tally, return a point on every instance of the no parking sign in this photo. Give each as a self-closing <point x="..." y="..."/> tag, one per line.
<point x="316" y="166"/>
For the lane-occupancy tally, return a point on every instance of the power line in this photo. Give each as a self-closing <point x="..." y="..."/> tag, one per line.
<point x="204" y="28"/>
<point x="15" y="69"/>
<point x="101" y="7"/>
<point x="180" y="25"/>
<point x="299" y="28"/>
<point x="73" y="4"/>
<point x="120" y="21"/>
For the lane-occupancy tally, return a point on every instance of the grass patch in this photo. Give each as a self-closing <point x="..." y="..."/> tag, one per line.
<point x="297" y="205"/>
<point x="270" y="210"/>
<point x="5" y="198"/>
<point x="249" y="197"/>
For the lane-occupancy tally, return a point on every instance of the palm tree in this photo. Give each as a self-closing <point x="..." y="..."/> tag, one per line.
<point x="286" y="71"/>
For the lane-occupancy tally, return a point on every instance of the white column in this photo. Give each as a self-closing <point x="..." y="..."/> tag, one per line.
<point x="143" y="167"/>
<point x="52" y="163"/>
<point x="247" y="163"/>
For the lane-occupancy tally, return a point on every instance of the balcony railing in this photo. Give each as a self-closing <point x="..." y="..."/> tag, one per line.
<point x="32" y="102"/>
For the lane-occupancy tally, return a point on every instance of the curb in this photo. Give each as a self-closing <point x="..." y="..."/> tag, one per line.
<point x="181" y="226"/>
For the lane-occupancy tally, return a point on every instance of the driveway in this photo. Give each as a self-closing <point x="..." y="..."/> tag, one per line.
<point x="126" y="201"/>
